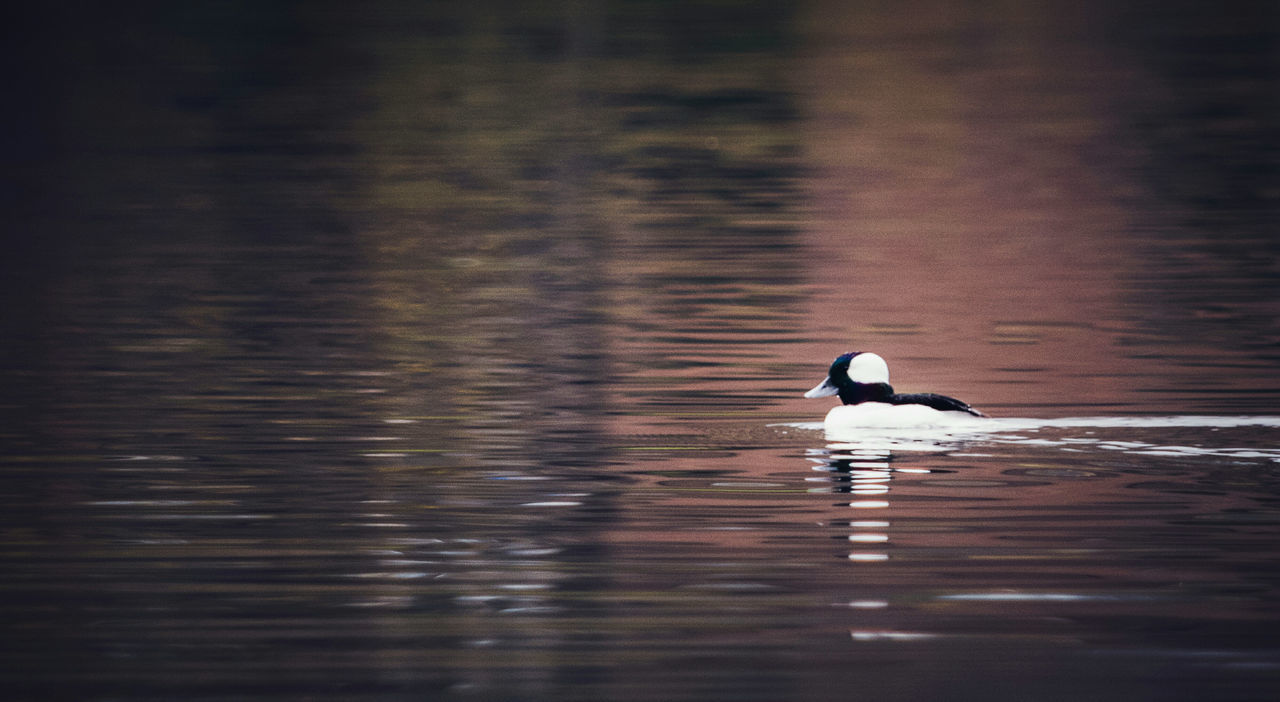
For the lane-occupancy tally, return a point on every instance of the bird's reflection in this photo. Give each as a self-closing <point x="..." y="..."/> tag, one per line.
<point x="865" y="476"/>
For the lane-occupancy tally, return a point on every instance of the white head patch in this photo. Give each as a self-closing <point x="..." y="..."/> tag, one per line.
<point x="868" y="368"/>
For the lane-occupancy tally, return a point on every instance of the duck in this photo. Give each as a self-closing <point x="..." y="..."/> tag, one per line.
<point x="861" y="379"/>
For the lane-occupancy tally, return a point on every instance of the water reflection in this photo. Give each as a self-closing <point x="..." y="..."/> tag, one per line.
<point x="867" y="483"/>
<point x="944" y="543"/>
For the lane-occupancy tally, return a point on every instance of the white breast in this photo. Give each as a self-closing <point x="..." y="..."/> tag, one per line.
<point x="881" y="414"/>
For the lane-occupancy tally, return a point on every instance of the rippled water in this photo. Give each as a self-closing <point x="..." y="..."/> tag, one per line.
<point x="443" y="352"/>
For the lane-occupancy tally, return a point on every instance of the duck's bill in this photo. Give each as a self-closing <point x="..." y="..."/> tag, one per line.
<point x="824" y="389"/>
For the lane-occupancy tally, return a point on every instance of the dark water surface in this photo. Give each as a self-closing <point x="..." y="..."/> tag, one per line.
<point x="396" y="351"/>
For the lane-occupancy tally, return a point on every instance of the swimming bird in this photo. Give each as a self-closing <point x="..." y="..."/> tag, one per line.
<point x="861" y="379"/>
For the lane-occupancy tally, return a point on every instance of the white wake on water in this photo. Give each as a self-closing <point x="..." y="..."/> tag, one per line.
<point x="1096" y="433"/>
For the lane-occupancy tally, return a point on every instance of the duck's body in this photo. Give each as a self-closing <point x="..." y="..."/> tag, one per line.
<point x="862" y="381"/>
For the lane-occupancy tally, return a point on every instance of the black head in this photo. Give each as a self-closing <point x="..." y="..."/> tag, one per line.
<point x="856" y="376"/>
<point x="840" y="367"/>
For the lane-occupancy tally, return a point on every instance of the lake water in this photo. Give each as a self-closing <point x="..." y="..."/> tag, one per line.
<point x="431" y="352"/>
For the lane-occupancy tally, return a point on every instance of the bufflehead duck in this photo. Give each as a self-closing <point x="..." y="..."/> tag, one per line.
<point x="861" y="379"/>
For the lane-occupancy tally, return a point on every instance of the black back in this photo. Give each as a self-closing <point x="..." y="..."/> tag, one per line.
<point x="939" y="402"/>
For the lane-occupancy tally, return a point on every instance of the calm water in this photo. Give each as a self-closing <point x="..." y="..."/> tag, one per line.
<point x="439" y="352"/>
